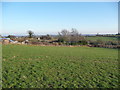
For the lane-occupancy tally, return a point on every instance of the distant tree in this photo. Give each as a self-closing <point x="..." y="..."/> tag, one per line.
<point x="64" y="35"/>
<point x="31" y="33"/>
<point x="75" y="37"/>
<point x="70" y="37"/>
<point x="74" y="32"/>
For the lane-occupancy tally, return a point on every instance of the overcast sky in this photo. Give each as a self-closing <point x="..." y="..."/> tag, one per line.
<point x="52" y="17"/>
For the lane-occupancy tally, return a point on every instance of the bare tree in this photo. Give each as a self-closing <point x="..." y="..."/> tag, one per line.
<point x="30" y="33"/>
<point x="75" y="37"/>
<point x="65" y="32"/>
<point x="64" y="35"/>
<point x="72" y="37"/>
<point x="74" y="32"/>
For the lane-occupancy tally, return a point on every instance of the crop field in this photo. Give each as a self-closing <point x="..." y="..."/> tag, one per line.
<point x="27" y="66"/>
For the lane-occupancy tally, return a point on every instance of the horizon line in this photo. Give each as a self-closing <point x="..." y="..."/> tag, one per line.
<point x="57" y="34"/>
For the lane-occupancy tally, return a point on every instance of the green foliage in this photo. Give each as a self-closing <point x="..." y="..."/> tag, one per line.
<point x="30" y="66"/>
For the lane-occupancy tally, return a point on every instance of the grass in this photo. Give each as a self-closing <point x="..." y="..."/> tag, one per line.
<point x="59" y="67"/>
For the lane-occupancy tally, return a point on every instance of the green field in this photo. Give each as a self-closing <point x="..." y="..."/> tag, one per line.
<point x="59" y="67"/>
<point x="102" y="38"/>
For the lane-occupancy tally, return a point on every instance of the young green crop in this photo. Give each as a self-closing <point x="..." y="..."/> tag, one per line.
<point x="28" y="66"/>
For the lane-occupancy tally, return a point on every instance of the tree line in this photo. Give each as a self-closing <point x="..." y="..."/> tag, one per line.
<point x="66" y="37"/>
